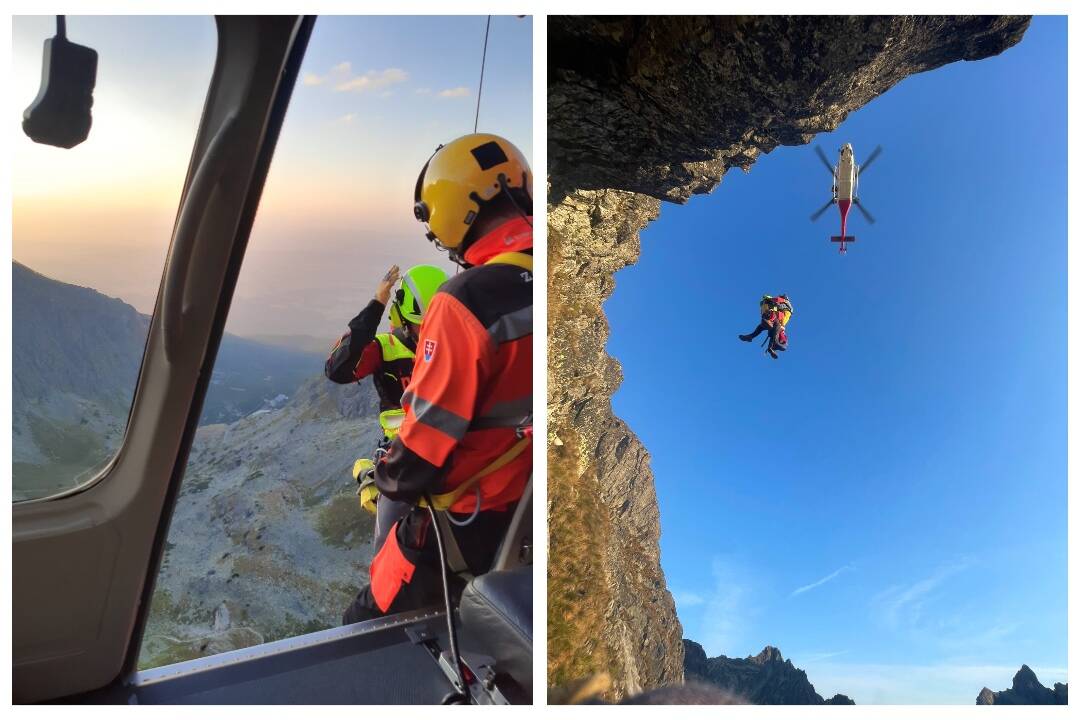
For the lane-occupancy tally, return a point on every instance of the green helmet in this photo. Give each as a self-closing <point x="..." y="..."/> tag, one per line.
<point x="418" y="286"/>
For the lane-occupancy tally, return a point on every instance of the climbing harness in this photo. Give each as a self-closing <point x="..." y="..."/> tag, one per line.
<point x="446" y="500"/>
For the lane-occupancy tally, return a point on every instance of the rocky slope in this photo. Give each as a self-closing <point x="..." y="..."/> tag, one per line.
<point x="267" y="539"/>
<point x="75" y="358"/>
<point x="75" y="361"/>
<point x="762" y="679"/>
<point x="1026" y="690"/>
<point x="641" y="110"/>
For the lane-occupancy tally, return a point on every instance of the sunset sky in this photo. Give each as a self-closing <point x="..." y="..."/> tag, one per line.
<point x="376" y="97"/>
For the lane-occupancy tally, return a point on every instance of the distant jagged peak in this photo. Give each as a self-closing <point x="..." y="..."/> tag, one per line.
<point x="769" y="654"/>
<point x="763" y="679"/>
<point x="1026" y="690"/>
<point x="839" y="699"/>
<point x="1025" y="678"/>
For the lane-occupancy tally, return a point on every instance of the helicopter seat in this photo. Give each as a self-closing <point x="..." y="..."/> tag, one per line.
<point x="496" y="609"/>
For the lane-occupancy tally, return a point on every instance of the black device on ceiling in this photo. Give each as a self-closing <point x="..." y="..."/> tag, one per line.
<point x="60" y="114"/>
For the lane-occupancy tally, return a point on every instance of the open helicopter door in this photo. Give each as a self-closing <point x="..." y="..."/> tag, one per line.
<point x="84" y="562"/>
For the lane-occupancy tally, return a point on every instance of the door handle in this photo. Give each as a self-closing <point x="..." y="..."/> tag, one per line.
<point x="206" y="180"/>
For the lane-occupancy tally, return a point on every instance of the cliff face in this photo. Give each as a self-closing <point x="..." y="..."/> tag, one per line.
<point x="612" y="611"/>
<point x="762" y="679"/>
<point x="1026" y="690"/>
<point x="663" y="106"/>
<point x="641" y="110"/>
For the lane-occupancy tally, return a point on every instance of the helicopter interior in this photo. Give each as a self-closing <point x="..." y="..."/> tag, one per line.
<point x="85" y="560"/>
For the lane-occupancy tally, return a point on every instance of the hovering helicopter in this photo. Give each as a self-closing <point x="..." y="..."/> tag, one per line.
<point x="845" y="189"/>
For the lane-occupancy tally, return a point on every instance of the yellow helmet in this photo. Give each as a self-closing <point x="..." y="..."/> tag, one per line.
<point x="461" y="178"/>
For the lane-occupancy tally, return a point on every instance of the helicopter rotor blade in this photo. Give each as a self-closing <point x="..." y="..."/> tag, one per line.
<point x="864" y="211"/>
<point x="871" y="158"/>
<point x="824" y="160"/>
<point x="824" y="207"/>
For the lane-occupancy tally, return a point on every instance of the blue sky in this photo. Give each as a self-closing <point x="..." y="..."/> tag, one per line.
<point x="886" y="503"/>
<point x="377" y="95"/>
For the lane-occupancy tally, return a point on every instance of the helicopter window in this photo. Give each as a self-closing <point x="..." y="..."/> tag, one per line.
<point x="267" y="539"/>
<point x="90" y="232"/>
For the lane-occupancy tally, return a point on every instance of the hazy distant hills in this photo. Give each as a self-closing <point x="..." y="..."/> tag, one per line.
<point x="762" y="679"/>
<point x="76" y="355"/>
<point x="249" y="374"/>
<point x="306" y="343"/>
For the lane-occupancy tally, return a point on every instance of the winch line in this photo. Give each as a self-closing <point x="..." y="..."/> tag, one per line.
<point x="483" y="61"/>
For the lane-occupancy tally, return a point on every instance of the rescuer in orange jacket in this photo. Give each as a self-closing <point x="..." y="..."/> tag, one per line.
<point x="465" y="438"/>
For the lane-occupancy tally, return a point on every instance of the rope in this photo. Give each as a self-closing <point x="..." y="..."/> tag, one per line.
<point x="455" y="656"/>
<point x="483" y="61"/>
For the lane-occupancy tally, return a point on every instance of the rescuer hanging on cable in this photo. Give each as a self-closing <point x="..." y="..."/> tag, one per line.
<point x="775" y="314"/>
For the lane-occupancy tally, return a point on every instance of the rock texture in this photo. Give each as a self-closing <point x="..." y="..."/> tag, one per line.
<point x="641" y="110"/>
<point x="1026" y="690"/>
<point x="609" y="609"/>
<point x="762" y="679"/>
<point x="663" y="106"/>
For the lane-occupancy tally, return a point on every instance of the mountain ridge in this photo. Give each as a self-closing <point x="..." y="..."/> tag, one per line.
<point x="76" y="355"/>
<point x="1026" y="690"/>
<point x="266" y="539"/>
<point x="762" y="679"/>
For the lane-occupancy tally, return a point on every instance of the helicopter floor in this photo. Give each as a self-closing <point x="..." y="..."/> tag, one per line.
<point x="372" y="662"/>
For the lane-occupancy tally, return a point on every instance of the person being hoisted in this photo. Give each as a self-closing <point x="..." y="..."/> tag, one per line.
<point x="387" y="358"/>
<point x="775" y="314"/>
<point x="463" y="446"/>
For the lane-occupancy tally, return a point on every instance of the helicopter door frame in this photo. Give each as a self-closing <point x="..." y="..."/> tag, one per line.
<point x="84" y="563"/>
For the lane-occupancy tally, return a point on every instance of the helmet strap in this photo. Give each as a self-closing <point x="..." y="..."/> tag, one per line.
<point x="483" y="210"/>
<point x="403" y="334"/>
<point x="504" y="187"/>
